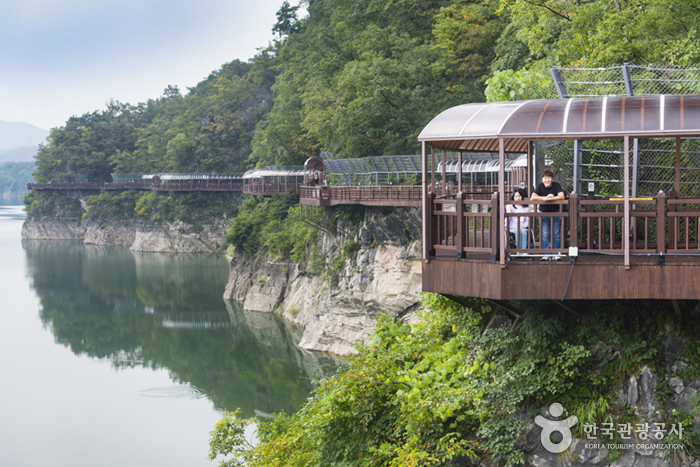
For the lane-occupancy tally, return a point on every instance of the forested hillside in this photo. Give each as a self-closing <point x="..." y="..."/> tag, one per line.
<point x="14" y="177"/>
<point x="361" y="78"/>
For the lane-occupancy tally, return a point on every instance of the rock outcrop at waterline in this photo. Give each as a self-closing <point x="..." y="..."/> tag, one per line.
<point x="337" y="311"/>
<point x="145" y="236"/>
<point x="63" y="220"/>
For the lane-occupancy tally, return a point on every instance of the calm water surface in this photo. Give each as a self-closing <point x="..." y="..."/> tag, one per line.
<point x="115" y="358"/>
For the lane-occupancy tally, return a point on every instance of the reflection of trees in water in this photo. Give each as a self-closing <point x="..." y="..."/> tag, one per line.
<point x="166" y="312"/>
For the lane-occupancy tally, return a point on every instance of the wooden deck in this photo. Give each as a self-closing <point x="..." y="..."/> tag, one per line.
<point x="592" y="277"/>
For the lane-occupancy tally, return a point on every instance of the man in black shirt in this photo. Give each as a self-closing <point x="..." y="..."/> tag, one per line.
<point x="549" y="190"/>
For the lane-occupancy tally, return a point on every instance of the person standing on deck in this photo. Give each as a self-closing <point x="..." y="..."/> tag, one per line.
<point x="549" y="190"/>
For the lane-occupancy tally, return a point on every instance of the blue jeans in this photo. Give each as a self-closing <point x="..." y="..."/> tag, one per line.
<point x="555" y="224"/>
<point x="523" y="237"/>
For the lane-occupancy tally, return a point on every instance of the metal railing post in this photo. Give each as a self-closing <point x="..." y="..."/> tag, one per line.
<point x="573" y="219"/>
<point x="459" y="211"/>
<point x="661" y="224"/>
<point x="494" y="229"/>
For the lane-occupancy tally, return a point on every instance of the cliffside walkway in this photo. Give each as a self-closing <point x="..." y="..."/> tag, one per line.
<point x="232" y="185"/>
<point x="378" y="195"/>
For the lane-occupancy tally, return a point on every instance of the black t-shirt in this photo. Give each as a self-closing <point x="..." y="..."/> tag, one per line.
<point x="542" y="190"/>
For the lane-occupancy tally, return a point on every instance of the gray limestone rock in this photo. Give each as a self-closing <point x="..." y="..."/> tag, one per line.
<point x="648" y="404"/>
<point x="627" y="459"/>
<point x="682" y="402"/>
<point x="338" y="312"/>
<point x="632" y="392"/>
<point x="672" y="346"/>
<point x="676" y="384"/>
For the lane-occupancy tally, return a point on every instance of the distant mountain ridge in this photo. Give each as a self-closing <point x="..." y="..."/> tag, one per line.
<point x="20" y="154"/>
<point x="15" y="135"/>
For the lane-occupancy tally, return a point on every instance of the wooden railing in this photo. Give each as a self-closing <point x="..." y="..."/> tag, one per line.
<point x="387" y="193"/>
<point x="463" y="225"/>
<point x="682" y="225"/>
<point x="268" y="189"/>
<point x="658" y="225"/>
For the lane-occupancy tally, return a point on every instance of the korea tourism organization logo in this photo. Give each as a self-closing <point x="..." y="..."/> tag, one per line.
<point x="549" y="427"/>
<point x="645" y="435"/>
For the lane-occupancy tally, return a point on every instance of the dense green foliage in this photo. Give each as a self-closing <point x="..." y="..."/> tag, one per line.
<point x="607" y="32"/>
<point x="192" y="208"/>
<point x="363" y="78"/>
<point x="450" y="388"/>
<point x="209" y="129"/>
<point x="52" y="204"/>
<point x="271" y="226"/>
<point x="351" y="78"/>
<point x="14" y="176"/>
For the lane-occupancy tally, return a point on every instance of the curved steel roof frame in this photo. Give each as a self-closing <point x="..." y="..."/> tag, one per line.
<point x="478" y="127"/>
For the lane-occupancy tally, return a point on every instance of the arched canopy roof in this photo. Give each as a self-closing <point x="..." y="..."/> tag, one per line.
<point x="477" y="127"/>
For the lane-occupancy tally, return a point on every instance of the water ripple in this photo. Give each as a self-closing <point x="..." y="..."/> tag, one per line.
<point x="175" y="392"/>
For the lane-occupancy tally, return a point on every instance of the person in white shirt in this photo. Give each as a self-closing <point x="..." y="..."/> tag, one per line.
<point x="518" y="226"/>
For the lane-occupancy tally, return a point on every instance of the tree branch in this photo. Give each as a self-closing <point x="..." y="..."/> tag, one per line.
<point x="542" y="5"/>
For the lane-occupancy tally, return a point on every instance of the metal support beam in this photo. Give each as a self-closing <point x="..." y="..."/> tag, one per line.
<point x="444" y="173"/>
<point x="578" y="146"/>
<point x="433" y="169"/>
<point x="629" y="91"/>
<point x="628" y="80"/>
<point x="502" y="199"/>
<point x="559" y="83"/>
<point x="626" y="219"/>
<point x="424" y="193"/>
<point x="678" y="165"/>
<point x="529" y="186"/>
<point x="459" y="173"/>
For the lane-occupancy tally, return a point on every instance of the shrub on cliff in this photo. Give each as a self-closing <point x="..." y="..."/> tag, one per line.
<point x="271" y="226"/>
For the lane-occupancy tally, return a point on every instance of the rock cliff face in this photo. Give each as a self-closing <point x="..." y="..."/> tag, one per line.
<point x="658" y="399"/>
<point x="66" y="223"/>
<point x="337" y="310"/>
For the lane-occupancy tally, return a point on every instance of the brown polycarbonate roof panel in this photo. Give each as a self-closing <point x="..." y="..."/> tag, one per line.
<point x="552" y="118"/>
<point x="614" y="113"/>
<point x="577" y="116"/>
<point x="526" y="120"/>
<point x="651" y="113"/>
<point x="451" y="121"/>
<point x="477" y="127"/>
<point x="624" y="114"/>
<point x="681" y="112"/>
<point x="594" y="116"/>
<point x="490" y="120"/>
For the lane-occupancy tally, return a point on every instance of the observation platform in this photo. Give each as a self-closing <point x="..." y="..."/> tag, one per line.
<point x="622" y="245"/>
<point x="663" y="260"/>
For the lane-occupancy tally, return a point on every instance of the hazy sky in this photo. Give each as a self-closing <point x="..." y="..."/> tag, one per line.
<point x="60" y="58"/>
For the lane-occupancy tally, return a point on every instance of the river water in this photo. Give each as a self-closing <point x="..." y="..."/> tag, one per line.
<point x="115" y="358"/>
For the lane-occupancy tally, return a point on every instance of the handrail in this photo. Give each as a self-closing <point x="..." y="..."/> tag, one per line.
<point x="657" y="226"/>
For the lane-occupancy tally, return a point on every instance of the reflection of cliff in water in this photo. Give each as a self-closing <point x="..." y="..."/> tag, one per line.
<point x="166" y="311"/>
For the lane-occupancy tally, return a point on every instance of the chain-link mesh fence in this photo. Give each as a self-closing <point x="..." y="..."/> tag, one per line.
<point x="602" y="160"/>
